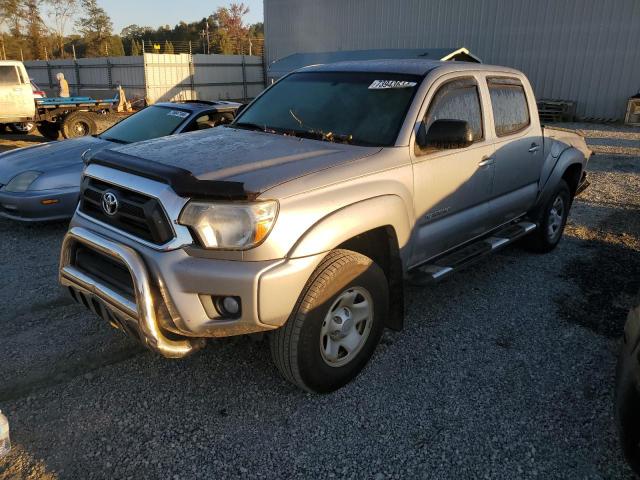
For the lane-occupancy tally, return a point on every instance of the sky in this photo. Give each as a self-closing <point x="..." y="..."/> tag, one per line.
<point x="153" y="13"/>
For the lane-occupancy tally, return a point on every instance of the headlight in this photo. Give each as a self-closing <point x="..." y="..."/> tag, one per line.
<point x="21" y="182"/>
<point x="230" y="226"/>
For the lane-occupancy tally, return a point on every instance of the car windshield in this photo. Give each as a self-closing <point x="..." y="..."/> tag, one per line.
<point x="151" y="122"/>
<point x="345" y="107"/>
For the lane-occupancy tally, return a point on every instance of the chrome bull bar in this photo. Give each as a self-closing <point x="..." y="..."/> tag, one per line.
<point x="141" y="311"/>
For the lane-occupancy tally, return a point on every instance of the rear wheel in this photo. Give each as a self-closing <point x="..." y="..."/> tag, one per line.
<point x="78" y="124"/>
<point x="551" y="220"/>
<point x="336" y="325"/>
<point x="49" y="130"/>
<point x="24" y="128"/>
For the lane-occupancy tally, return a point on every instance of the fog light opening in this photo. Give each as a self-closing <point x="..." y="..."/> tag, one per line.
<point x="229" y="307"/>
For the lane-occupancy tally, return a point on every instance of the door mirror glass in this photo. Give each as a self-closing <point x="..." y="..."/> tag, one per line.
<point x="445" y="134"/>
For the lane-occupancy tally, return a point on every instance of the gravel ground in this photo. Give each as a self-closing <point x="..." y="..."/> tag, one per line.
<point x="503" y="371"/>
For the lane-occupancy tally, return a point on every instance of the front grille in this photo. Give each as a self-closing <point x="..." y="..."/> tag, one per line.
<point x="107" y="270"/>
<point x="138" y="214"/>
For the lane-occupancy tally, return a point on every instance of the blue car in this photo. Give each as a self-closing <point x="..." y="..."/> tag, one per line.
<point x="42" y="183"/>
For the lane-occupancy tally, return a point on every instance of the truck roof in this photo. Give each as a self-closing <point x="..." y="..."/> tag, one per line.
<point x="407" y="66"/>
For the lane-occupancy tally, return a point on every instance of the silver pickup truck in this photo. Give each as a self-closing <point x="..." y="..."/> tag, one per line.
<point x="305" y="216"/>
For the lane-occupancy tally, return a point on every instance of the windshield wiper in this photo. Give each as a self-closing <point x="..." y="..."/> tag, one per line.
<point x="250" y="126"/>
<point x="318" y="135"/>
<point x="114" y="140"/>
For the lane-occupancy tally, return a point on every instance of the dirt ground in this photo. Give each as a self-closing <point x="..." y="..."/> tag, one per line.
<point x="505" y="370"/>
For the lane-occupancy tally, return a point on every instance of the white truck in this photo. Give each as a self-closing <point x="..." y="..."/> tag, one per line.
<point x="73" y="117"/>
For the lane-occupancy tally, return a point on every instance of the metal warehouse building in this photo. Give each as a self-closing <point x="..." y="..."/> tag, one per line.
<point x="587" y="51"/>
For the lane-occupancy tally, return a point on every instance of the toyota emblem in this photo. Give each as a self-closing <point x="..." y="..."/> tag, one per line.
<point x="110" y="203"/>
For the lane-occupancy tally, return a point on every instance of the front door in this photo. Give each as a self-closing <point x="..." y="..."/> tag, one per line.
<point x="452" y="187"/>
<point x="16" y="94"/>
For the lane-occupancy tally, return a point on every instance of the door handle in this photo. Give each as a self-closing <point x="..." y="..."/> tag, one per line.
<point x="534" y="148"/>
<point x="486" y="161"/>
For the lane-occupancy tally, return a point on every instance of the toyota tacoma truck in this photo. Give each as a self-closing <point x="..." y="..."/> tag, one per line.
<point x="305" y="217"/>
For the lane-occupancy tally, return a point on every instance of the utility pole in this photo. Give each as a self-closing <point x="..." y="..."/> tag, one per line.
<point x="250" y="45"/>
<point x="73" y="47"/>
<point x="4" y="53"/>
<point x="21" y="56"/>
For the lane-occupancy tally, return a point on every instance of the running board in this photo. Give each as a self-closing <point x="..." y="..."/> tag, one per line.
<point x="464" y="256"/>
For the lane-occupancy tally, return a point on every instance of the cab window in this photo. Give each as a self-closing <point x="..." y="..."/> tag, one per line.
<point x="509" y="104"/>
<point x="458" y="99"/>
<point x="9" y="75"/>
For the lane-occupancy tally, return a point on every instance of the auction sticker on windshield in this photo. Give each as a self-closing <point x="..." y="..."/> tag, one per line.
<point x="178" y="113"/>
<point x="384" y="84"/>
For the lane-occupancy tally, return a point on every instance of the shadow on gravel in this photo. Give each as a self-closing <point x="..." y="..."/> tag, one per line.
<point x="607" y="275"/>
<point x="62" y="372"/>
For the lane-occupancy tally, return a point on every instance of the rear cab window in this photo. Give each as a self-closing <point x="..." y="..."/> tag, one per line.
<point x="509" y="104"/>
<point x="9" y="75"/>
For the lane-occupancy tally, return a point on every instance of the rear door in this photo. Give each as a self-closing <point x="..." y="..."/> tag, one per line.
<point x="518" y="148"/>
<point x="16" y="94"/>
<point x="452" y="187"/>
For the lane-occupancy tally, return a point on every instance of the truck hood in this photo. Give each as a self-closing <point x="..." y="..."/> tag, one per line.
<point x="46" y="157"/>
<point x="259" y="160"/>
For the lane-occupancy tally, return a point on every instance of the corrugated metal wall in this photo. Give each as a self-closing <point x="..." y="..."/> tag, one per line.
<point x="582" y="50"/>
<point x="156" y="77"/>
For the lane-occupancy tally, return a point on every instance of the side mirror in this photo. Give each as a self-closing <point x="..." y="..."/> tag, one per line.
<point x="445" y="134"/>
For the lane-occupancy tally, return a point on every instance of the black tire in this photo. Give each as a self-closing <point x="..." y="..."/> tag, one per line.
<point x="297" y="348"/>
<point x="24" y="128"/>
<point x="49" y="130"/>
<point x="222" y="119"/>
<point x="78" y="124"/>
<point x="627" y="393"/>
<point x="549" y="232"/>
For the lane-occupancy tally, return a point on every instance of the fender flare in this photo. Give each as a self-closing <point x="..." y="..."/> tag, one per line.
<point x="349" y="221"/>
<point x="570" y="156"/>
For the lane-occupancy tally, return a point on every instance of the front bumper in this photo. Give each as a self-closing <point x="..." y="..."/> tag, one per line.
<point x="28" y="207"/>
<point x="169" y="308"/>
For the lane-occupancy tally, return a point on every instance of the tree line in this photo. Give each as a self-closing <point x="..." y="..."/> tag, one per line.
<point x="82" y="28"/>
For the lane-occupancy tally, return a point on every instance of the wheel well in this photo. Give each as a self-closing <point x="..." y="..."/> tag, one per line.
<point x="381" y="246"/>
<point x="572" y="176"/>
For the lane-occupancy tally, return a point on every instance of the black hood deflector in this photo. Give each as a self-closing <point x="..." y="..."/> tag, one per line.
<point x="180" y="180"/>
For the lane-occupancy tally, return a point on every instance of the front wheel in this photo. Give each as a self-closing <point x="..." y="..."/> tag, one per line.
<point x="336" y="324"/>
<point x="23" y="128"/>
<point x="551" y="220"/>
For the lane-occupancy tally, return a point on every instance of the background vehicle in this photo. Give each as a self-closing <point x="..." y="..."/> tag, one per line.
<point x="43" y="182"/>
<point x="305" y="215"/>
<point x="27" y="127"/>
<point x="628" y="388"/>
<point x="21" y="109"/>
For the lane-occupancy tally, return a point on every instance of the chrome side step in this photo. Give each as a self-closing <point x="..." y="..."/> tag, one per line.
<point x="464" y="256"/>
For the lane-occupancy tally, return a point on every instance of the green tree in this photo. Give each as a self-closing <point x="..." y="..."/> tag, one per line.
<point x="135" y="48"/>
<point x="96" y="27"/>
<point x="35" y="28"/>
<point x="61" y="12"/>
<point x="232" y="31"/>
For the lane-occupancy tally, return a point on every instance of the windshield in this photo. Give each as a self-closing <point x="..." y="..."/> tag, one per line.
<point x="151" y="122"/>
<point x="346" y="107"/>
